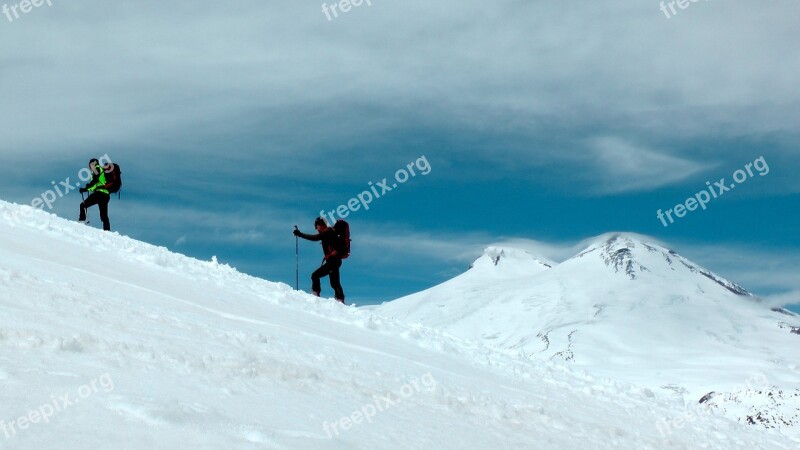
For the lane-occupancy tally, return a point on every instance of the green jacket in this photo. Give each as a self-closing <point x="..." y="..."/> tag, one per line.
<point x="98" y="182"/>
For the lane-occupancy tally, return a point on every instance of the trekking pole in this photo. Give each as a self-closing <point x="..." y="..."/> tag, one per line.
<point x="296" y="262"/>
<point x="83" y="210"/>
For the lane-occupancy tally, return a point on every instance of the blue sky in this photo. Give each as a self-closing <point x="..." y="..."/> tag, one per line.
<point x="541" y="122"/>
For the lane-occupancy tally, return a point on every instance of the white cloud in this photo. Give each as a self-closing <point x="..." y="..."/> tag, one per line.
<point x="99" y="72"/>
<point x="787" y="298"/>
<point x="626" y="167"/>
<point x="391" y="243"/>
<point x="248" y="237"/>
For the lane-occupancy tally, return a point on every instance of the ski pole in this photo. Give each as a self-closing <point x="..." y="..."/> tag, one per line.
<point x="296" y="262"/>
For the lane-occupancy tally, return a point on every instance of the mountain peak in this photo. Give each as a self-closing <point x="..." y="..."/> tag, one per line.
<point x="619" y="251"/>
<point x="510" y="261"/>
<point x="618" y="238"/>
<point x="498" y="253"/>
<point x="634" y="255"/>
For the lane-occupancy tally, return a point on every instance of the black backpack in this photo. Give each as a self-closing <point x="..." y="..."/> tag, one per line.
<point x="113" y="178"/>
<point x="342" y="230"/>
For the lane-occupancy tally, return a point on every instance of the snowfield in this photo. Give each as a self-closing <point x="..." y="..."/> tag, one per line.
<point x="110" y="343"/>
<point x="628" y="310"/>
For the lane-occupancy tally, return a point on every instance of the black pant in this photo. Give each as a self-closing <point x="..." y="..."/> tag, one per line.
<point x="101" y="200"/>
<point x="329" y="267"/>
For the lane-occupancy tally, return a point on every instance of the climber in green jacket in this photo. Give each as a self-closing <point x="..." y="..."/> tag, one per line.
<point x="99" y="196"/>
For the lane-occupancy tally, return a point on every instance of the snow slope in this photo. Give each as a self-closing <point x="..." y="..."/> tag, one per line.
<point x="623" y="309"/>
<point x="119" y="344"/>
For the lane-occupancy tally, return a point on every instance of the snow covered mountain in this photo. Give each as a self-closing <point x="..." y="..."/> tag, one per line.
<point x="624" y="309"/>
<point x="108" y="343"/>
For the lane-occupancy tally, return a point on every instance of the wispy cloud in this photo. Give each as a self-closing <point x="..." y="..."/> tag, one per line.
<point x="559" y="67"/>
<point x="392" y="242"/>
<point x="787" y="298"/>
<point x="769" y="273"/>
<point x="626" y="167"/>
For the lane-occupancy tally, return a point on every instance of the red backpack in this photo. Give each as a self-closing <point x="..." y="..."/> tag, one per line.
<point x="342" y="230"/>
<point x="113" y="178"/>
